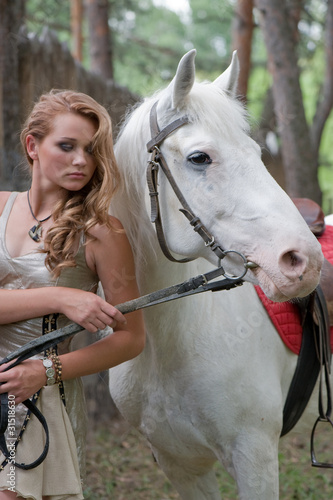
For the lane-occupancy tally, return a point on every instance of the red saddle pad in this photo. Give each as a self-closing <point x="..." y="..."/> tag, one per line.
<point x="285" y="315"/>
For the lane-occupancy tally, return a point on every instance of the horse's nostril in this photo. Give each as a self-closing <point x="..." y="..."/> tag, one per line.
<point x="292" y="263"/>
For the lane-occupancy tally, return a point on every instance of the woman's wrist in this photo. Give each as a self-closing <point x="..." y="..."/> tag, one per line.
<point x="53" y="369"/>
<point x="49" y="371"/>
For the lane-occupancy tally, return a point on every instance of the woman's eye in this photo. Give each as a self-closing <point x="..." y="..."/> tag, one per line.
<point x="199" y="158"/>
<point x="65" y="146"/>
<point x="90" y="150"/>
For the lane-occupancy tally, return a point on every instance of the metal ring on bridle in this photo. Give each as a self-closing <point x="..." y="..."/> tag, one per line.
<point x="245" y="263"/>
<point x="210" y="243"/>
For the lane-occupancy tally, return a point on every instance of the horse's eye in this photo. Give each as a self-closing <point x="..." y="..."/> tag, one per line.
<point x="199" y="158"/>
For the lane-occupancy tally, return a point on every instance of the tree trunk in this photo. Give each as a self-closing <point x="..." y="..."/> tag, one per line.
<point x="325" y="98"/>
<point x="299" y="159"/>
<point x="100" y="38"/>
<point x="11" y="17"/>
<point x="242" y="31"/>
<point x="76" y="28"/>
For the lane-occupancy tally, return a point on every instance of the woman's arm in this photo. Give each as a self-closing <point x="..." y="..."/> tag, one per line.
<point x="111" y="257"/>
<point x="84" y="308"/>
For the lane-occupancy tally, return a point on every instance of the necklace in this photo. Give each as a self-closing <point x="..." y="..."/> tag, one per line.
<point x="36" y="231"/>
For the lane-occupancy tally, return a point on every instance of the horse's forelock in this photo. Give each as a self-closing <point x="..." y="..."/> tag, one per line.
<point x="211" y="107"/>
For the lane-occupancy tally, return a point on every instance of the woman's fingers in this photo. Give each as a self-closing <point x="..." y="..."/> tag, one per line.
<point x="23" y="380"/>
<point x="91" y="311"/>
<point x="113" y="313"/>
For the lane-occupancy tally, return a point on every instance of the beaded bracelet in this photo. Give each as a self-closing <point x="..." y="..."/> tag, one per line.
<point x="57" y="367"/>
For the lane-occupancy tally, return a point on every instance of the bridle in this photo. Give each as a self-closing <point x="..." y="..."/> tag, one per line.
<point x="157" y="161"/>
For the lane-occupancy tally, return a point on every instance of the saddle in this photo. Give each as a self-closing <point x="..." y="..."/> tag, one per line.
<point x="312" y="214"/>
<point x="314" y="217"/>
<point x="315" y="355"/>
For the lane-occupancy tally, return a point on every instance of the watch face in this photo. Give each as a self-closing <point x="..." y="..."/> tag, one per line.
<point x="49" y="372"/>
<point x="47" y="363"/>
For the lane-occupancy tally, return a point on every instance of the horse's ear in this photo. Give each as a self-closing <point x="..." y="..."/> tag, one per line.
<point x="229" y="79"/>
<point x="182" y="82"/>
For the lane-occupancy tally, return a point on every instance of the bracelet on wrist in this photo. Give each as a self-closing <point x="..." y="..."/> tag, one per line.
<point x="57" y="367"/>
<point x="49" y="370"/>
<point x="53" y="369"/>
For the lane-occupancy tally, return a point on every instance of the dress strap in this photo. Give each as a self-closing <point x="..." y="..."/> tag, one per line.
<point x="5" y="214"/>
<point x="9" y="204"/>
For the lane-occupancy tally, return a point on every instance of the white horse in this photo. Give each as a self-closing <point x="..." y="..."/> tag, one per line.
<point x="212" y="380"/>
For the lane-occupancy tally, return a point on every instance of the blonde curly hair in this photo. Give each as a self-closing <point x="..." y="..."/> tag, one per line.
<point x="80" y="210"/>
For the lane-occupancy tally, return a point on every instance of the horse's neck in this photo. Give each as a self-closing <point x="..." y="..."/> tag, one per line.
<point x="156" y="272"/>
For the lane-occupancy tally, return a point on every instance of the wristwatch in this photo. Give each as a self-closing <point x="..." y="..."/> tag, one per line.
<point x="49" y="371"/>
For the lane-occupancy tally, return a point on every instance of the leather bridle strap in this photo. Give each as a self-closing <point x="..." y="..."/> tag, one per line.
<point x="157" y="160"/>
<point x="158" y="135"/>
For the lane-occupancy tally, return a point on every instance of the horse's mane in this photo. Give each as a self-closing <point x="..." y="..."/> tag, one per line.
<point x="206" y="104"/>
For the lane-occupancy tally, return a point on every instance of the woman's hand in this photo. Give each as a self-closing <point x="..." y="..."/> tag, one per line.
<point x="23" y="380"/>
<point x="88" y="310"/>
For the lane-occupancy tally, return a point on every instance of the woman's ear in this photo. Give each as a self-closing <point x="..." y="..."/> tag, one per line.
<point x="32" y="147"/>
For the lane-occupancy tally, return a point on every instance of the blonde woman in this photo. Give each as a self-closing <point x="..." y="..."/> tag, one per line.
<point x="57" y="241"/>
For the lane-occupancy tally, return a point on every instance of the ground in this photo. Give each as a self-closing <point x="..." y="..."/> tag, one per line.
<point x="121" y="467"/>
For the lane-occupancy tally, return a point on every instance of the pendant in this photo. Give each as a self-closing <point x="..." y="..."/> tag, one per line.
<point x="36" y="232"/>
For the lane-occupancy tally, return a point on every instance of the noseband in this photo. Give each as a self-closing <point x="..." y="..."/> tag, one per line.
<point x="157" y="160"/>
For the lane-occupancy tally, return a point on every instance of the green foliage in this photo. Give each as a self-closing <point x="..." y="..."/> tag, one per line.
<point x="210" y="32"/>
<point x="54" y="14"/>
<point x="147" y="42"/>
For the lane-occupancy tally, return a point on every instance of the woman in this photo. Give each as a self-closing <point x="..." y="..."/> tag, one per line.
<point x="57" y="242"/>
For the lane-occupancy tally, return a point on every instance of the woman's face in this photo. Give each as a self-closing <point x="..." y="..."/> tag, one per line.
<point x="64" y="158"/>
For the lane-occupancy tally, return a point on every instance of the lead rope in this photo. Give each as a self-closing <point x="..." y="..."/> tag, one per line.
<point x="49" y="325"/>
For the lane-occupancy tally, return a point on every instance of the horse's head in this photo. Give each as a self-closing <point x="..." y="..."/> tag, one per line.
<point x="218" y="169"/>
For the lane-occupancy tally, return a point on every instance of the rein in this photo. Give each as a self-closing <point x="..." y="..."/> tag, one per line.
<point x="49" y="340"/>
<point x="192" y="286"/>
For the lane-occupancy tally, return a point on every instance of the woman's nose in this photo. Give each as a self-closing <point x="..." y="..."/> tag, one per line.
<point x="79" y="158"/>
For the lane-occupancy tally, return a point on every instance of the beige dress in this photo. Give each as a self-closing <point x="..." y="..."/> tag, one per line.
<point x="60" y="475"/>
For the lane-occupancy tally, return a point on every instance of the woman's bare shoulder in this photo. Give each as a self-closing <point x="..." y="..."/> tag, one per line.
<point x="102" y="232"/>
<point x="4" y="195"/>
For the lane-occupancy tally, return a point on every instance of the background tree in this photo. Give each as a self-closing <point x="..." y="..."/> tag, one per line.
<point x="76" y="28"/>
<point x="100" y="40"/>
<point x="242" y="33"/>
<point x="298" y="156"/>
